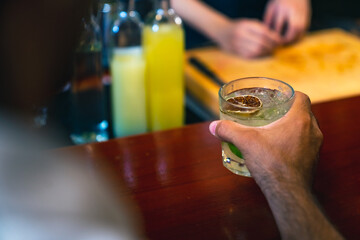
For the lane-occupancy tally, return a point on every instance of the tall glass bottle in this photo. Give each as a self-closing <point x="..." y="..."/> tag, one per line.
<point x="164" y="52"/>
<point x="88" y="105"/>
<point x="108" y="10"/>
<point x="127" y="67"/>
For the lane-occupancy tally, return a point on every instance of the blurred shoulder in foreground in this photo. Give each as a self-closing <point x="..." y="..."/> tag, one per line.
<point x="45" y="195"/>
<point x="51" y="196"/>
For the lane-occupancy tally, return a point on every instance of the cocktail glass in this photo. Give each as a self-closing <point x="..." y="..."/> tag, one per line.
<point x="252" y="101"/>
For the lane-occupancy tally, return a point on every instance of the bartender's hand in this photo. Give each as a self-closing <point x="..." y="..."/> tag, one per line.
<point x="248" y="38"/>
<point x="290" y="17"/>
<point x="283" y="151"/>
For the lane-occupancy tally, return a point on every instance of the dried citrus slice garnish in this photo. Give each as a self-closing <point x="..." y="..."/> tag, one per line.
<point x="244" y="104"/>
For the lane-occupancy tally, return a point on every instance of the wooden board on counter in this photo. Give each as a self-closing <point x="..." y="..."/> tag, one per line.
<point x="325" y="65"/>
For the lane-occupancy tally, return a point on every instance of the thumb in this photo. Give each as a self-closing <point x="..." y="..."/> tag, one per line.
<point x="230" y="131"/>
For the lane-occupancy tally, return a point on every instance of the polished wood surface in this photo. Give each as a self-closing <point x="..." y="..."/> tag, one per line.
<point x="182" y="191"/>
<point x="313" y="65"/>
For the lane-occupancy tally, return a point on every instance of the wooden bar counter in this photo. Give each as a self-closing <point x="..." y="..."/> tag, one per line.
<point x="178" y="184"/>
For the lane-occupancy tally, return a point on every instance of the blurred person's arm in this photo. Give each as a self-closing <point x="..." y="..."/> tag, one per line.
<point x="282" y="157"/>
<point x="246" y="37"/>
<point x="290" y="17"/>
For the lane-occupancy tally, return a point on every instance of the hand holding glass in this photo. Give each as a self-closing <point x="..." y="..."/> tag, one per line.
<point x="253" y="101"/>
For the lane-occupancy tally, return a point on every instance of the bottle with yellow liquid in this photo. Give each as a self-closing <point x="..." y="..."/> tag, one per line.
<point x="127" y="68"/>
<point x="163" y="42"/>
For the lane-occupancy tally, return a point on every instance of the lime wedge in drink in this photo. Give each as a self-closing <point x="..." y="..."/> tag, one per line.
<point x="235" y="150"/>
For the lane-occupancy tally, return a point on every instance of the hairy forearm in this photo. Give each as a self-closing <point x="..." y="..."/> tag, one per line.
<point x="202" y="17"/>
<point x="296" y="213"/>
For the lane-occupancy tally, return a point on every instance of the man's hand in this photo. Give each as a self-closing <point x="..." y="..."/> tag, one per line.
<point x="281" y="157"/>
<point x="248" y="38"/>
<point x="291" y="17"/>
<point x="284" y="151"/>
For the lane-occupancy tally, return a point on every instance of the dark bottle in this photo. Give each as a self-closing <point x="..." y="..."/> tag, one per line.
<point x="88" y="101"/>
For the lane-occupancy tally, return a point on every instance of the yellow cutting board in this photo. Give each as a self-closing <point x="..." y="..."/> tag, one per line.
<point x="325" y="65"/>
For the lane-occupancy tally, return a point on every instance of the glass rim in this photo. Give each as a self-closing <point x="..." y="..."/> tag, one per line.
<point x="260" y="78"/>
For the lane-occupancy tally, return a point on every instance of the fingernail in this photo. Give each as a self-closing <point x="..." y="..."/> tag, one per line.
<point x="212" y="127"/>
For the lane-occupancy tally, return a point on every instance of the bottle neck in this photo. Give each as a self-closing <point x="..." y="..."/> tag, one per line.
<point x="131" y="6"/>
<point x="89" y="14"/>
<point x="163" y="4"/>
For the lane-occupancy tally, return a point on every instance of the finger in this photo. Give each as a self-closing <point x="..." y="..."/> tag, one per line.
<point x="248" y="44"/>
<point x="291" y="34"/>
<point x="279" y="20"/>
<point x="250" y="48"/>
<point x="295" y="29"/>
<point x="315" y="121"/>
<point x="269" y="15"/>
<point x="301" y="104"/>
<point x="229" y="131"/>
<point x="258" y="39"/>
<point x="267" y="35"/>
<point x="302" y="99"/>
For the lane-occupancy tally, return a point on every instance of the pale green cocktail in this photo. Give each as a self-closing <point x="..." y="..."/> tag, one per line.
<point x="253" y="101"/>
